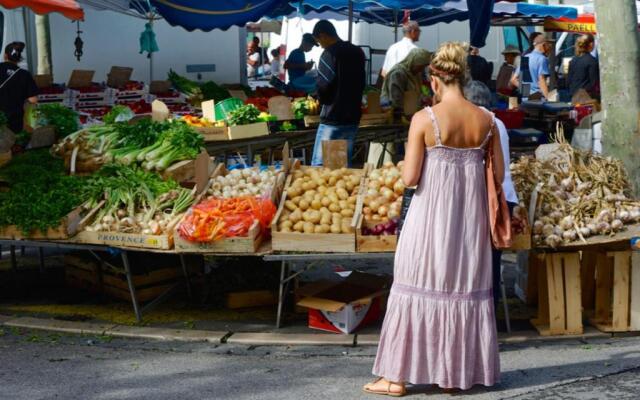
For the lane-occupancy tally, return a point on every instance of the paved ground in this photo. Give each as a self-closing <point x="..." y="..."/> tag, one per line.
<point x="37" y="366"/>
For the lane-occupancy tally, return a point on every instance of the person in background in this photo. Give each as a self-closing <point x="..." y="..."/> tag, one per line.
<point x="480" y="95"/>
<point x="276" y="68"/>
<point x="16" y="87"/>
<point x="398" y="51"/>
<point x="508" y="68"/>
<point x="538" y="70"/>
<point x="439" y="327"/>
<point x="296" y="64"/>
<point x="406" y="76"/>
<point x="479" y="68"/>
<point x="341" y="81"/>
<point x="584" y="71"/>
<point x="532" y="38"/>
<point x="253" y="58"/>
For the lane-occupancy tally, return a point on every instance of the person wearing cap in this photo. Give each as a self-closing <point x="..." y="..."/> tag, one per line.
<point x="296" y="64"/>
<point x="17" y="87"/>
<point x="340" y="81"/>
<point x="503" y="84"/>
<point x="538" y="64"/>
<point x="398" y="51"/>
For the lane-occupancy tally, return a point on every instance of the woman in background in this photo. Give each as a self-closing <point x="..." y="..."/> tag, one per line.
<point x="16" y="86"/>
<point x="584" y="71"/>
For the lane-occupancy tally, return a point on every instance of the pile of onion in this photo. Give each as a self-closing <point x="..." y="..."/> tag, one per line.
<point x="383" y="196"/>
<point x="243" y="182"/>
<point x="320" y="200"/>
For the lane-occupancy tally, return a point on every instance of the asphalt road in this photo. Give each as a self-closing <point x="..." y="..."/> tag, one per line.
<point x="38" y="366"/>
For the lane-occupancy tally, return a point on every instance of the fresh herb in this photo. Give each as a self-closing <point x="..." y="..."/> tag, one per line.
<point x="40" y="194"/>
<point x="62" y="118"/>
<point x="246" y="114"/>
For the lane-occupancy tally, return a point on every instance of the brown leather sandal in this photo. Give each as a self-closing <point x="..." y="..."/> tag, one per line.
<point x="387" y="392"/>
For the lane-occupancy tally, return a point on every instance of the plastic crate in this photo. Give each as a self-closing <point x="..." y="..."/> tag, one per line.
<point x="512" y="119"/>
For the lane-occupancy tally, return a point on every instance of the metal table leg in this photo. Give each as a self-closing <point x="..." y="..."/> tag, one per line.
<point x="41" y="255"/>
<point x="283" y="268"/>
<point x="132" y="289"/>
<point x="22" y="250"/>
<point x="185" y="271"/>
<point x="14" y="262"/>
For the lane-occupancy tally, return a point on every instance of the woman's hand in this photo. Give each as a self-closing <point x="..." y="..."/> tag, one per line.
<point x="414" y="156"/>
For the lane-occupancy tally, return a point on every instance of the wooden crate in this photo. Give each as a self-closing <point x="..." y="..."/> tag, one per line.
<point x="214" y="133"/>
<point x="248" y="131"/>
<point x="559" y="294"/>
<point x="376" y="119"/>
<point x="617" y="292"/>
<point x="248" y="244"/>
<point x="373" y="243"/>
<point x="85" y="274"/>
<point x="119" y="239"/>
<point x="68" y="227"/>
<point x="254" y="298"/>
<point x="313" y="242"/>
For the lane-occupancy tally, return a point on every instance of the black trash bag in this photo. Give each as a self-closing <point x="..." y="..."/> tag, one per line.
<point x="406" y="201"/>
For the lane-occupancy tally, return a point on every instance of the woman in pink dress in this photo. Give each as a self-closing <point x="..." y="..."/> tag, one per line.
<point x="440" y="322"/>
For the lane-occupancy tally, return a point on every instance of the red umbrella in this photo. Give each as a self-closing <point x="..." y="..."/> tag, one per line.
<point x="68" y="8"/>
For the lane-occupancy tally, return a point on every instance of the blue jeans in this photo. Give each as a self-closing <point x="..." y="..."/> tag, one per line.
<point x="333" y="132"/>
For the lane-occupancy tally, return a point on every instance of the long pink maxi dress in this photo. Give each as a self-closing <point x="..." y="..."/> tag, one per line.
<point x="440" y="322"/>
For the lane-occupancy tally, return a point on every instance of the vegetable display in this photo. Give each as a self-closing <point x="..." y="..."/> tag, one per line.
<point x="214" y="218"/>
<point x="40" y="193"/>
<point x="63" y="119"/>
<point x="305" y="106"/>
<point x="135" y="201"/>
<point x="243" y="115"/>
<point x="153" y="145"/>
<point x="579" y="194"/>
<point x="383" y="200"/>
<point x="244" y="182"/>
<point x="196" y="91"/>
<point x="320" y="200"/>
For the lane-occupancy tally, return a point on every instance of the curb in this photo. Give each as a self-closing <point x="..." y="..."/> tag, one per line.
<point x="246" y="338"/>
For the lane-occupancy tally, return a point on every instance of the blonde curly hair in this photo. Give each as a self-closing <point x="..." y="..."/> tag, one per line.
<point x="450" y="63"/>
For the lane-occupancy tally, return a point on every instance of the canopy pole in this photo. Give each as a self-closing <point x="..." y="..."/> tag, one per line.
<point x="350" y="20"/>
<point x="395" y="25"/>
<point x="150" y="54"/>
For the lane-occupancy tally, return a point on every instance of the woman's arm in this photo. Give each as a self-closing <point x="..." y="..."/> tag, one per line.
<point x="414" y="156"/>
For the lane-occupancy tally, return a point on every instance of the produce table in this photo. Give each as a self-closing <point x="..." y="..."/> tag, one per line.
<point x="305" y="138"/>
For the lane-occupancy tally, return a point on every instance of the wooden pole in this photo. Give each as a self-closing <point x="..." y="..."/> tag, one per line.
<point x="619" y="56"/>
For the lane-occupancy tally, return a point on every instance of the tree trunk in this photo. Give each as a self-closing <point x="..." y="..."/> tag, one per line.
<point x="620" y="82"/>
<point x="43" y="40"/>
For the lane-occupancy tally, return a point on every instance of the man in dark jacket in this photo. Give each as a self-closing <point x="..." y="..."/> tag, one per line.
<point x="479" y="68"/>
<point x="341" y="82"/>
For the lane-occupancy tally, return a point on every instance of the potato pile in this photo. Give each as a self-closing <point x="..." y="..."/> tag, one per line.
<point x="243" y="182"/>
<point x="579" y="195"/>
<point x="383" y="197"/>
<point x="320" y="200"/>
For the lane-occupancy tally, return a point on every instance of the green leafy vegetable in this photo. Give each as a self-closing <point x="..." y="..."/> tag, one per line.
<point x="40" y="193"/>
<point x="62" y="118"/>
<point x="115" y="112"/>
<point x="246" y="114"/>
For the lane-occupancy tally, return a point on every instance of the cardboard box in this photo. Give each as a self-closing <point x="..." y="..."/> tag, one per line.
<point x="80" y="79"/>
<point x="119" y="76"/>
<point x="346" y="305"/>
